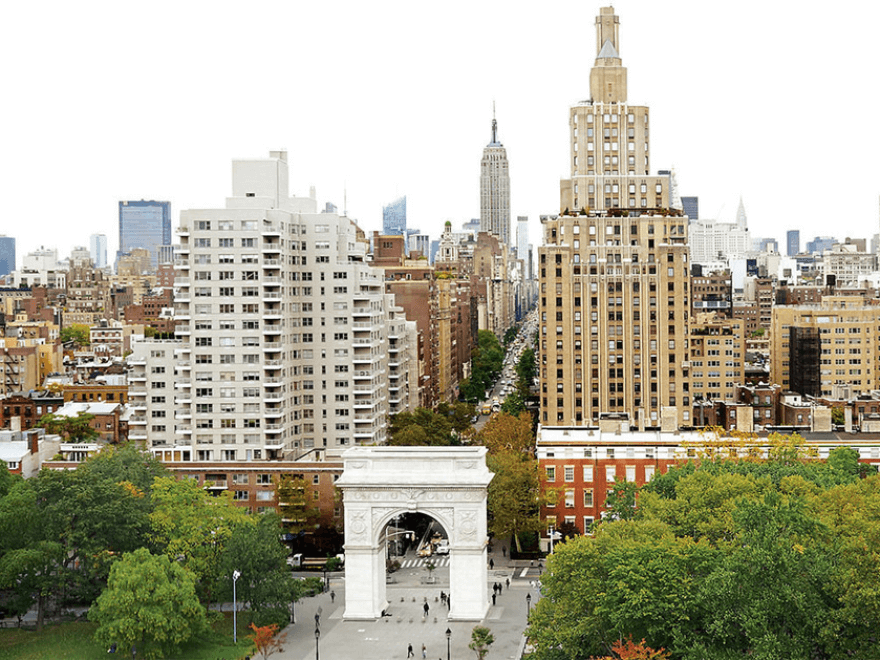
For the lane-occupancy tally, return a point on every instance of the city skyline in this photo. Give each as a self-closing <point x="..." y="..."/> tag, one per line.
<point x="684" y="59"/>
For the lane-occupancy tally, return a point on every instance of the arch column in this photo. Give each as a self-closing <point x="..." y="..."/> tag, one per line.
<point x="450" y="485"/>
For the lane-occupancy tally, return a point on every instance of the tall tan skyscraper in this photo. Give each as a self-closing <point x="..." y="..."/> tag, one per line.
<point x="495" y="189"/>
<point x="614" y="270"/>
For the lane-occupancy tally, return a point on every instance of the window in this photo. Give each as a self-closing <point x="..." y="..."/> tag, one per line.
<point x="551" y="473"/>
<point x="588" y="497"/>
<point x="630" y="473"/>
<point x="569" y="473"/>
<point x="610" y="473"/>
<point x="569" y="498"/>
<point x="588" y="473"/>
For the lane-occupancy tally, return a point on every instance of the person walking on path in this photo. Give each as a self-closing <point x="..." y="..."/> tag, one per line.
<point x="332" y="596"/>
<point x="409" y="651"/>
<point x="503" y="550"/>
<point x="507" y="582"/>
<point x="424" y="651"/>
<point x="491" y="564"/>
<point x="427" y="609"/>
<point x="494" y="595"/>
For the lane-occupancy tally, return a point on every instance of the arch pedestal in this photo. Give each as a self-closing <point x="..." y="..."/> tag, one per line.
<point x="447" y="483"/>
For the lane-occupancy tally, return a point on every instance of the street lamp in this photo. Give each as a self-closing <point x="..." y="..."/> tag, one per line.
<point x="235" y="576"/>
<point x="325" y="579"/>
<point x="317" y="637"/>
<point x="528" y="606"/>
<point x="448" y="638"/>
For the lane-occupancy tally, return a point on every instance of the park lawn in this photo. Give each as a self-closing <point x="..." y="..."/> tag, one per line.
<point x="73" y="641"/>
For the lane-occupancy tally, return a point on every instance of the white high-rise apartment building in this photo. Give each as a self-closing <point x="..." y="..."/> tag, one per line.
<point x="285" y="331"/>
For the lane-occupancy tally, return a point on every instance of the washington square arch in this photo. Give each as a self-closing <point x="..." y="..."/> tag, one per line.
<point x="449" y="484"/>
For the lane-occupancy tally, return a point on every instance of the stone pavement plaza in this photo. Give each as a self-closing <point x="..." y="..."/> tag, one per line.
<point x="404" y="623"/>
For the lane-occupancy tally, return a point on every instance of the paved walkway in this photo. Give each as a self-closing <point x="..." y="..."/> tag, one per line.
<point x="404" y="623"/>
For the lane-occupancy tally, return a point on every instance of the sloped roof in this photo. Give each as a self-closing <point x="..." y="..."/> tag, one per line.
<point x="608" y="50"/>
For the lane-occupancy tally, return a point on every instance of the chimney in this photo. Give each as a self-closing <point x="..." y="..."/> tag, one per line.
<point x="33" y="440"/>
<point x="847" y="420"/>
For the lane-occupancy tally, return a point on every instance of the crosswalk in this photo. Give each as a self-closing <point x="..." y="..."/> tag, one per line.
<point x="438" y="562"/>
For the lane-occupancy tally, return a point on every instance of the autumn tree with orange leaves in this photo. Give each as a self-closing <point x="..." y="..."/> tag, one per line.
<point x="266" y="639"/>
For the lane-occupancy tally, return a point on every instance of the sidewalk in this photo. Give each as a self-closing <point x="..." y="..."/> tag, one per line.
<point x="387" y="638"/>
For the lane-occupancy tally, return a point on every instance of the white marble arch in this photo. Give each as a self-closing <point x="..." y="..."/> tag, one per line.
<point x="447" y="483"/>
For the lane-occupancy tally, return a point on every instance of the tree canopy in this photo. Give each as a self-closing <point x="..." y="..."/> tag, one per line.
<point x="150" y="603"/>
<point x="725" y="559"/>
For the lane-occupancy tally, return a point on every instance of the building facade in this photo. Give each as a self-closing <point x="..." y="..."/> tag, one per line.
<point x="614" y="281"/>
<point x="283" y="331"/>
<point x="394" y="217"/>
<point x="495" y="189"/>
<point x="144" y="224"/>
<point x="815" y="349"/>
<point x="98" y="250"/>
<point x="7" y="255"/>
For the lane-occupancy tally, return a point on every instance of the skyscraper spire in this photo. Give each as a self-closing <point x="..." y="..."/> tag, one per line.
<point x="494" y="142"/>
<point x="608" y="75"/>
<point x="741" y="220"/>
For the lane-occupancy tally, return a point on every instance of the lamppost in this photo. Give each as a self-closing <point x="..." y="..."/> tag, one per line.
<point x="325" y="579"/>
<point x="317" y="637"/>
<point x="528" y="606"/>
<point x="235" y="576"/>
<point x="448" y="639"/>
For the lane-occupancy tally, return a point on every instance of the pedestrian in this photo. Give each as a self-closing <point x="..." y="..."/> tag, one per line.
<point x="500" y="587"/>
<point x="424" y="651"/>
<point x="409" y="651"/>
<point x="494" y="596"/>
<point x="332" y="596"/>
<point x="426" y="608"/>
<point x="503" y="550"/>
<point x="507" y="582"/>
<point x="443" y="597"/>
<point x="491" y="564"/>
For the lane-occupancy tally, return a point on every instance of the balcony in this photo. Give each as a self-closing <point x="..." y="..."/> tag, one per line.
<point x="137" y="420"/>
<point x="271" y="295"/>
<point x="271" y="262"/>
<point x="272" y="346"/>
<point x="215" y="484"/>
<point x="271" y="281"/>
<point x="273" y="427"/>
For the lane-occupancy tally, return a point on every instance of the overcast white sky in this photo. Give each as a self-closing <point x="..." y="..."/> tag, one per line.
<point x="773" y="101"/>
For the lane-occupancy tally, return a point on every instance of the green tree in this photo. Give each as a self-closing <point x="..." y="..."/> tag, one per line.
<point x="296" y="504"/>
<point x="31" y="561"/>
<point x="510" y="335"/>
<point x="481" y="639"/>
<point x="192" y="527"/>
<point x="150" y="603"/>
<point x="255" y="550"/>
<point x="515" y="495"/>
<point x="506" y="432"/>
<point x="459" y="414"/>
<point x="514" y="404"/>
<point x="7" y="479"/>
<point x="421" y="427"/>
<point x="76" y="429"/>
<point x="487" y="359"/>
<point x="77" y="333"/>
<point x="526" y="371"/>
